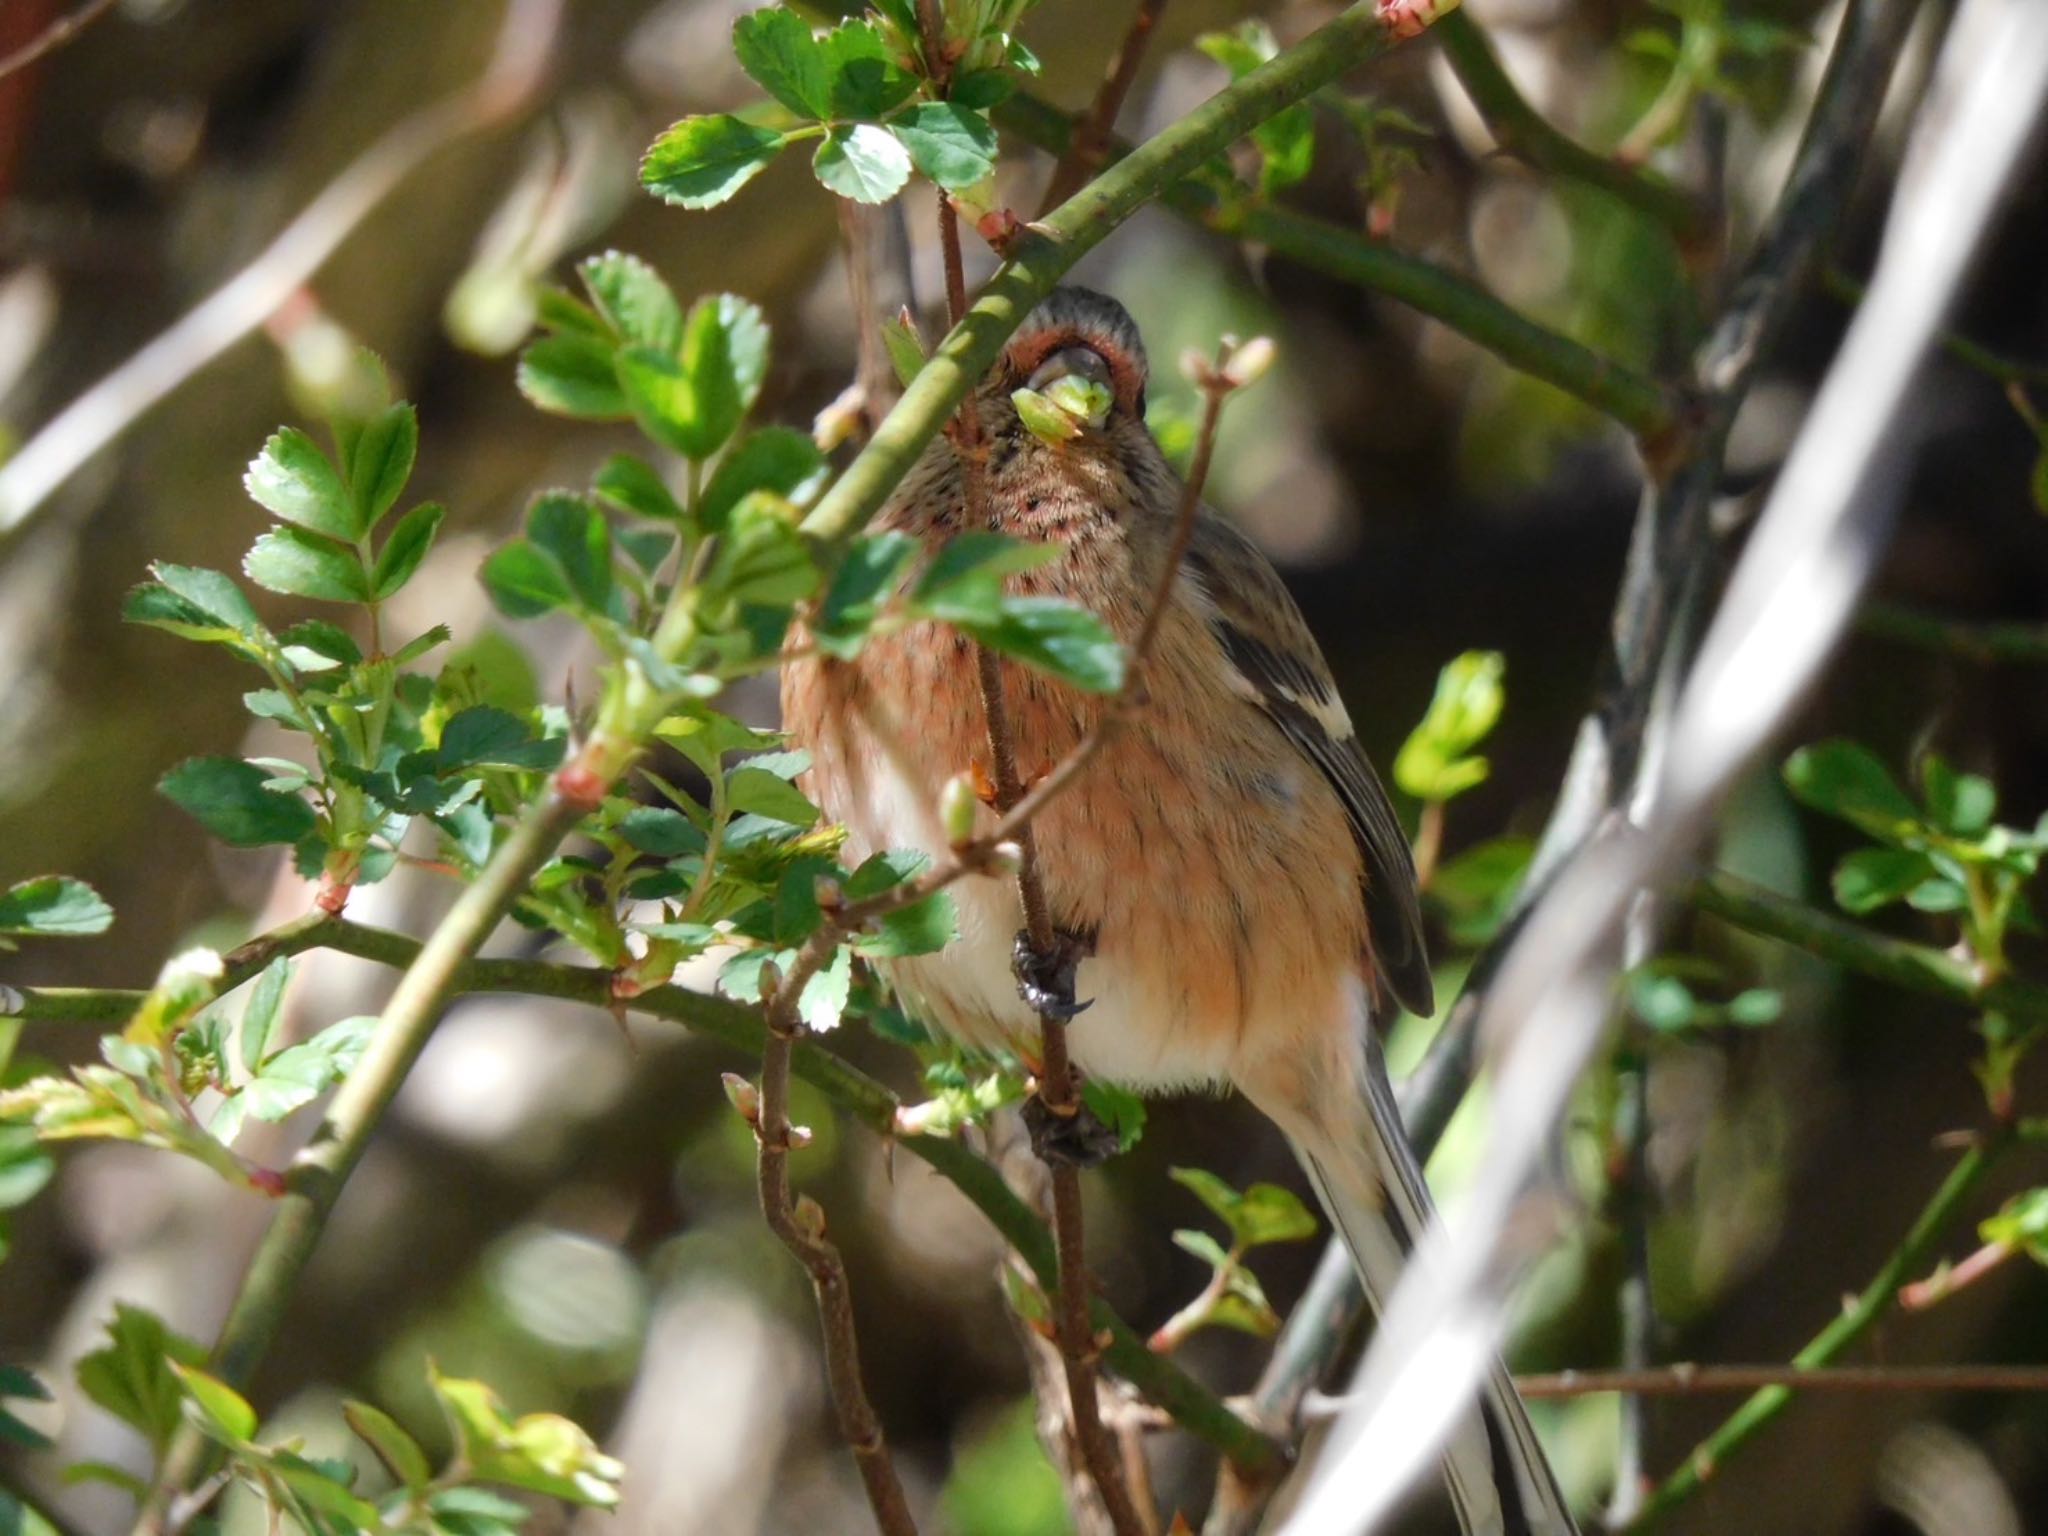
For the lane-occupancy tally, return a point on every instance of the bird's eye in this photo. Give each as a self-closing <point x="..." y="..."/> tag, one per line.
<point x="1072" y="362"/>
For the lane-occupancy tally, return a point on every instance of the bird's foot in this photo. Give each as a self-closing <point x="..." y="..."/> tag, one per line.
<point x="1046" y="981"/>
<point x="1075" y="1138"/>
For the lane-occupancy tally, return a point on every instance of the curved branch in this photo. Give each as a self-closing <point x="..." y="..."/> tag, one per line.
<point x="1526" y="134"/>
<point x="739" y="1027"/>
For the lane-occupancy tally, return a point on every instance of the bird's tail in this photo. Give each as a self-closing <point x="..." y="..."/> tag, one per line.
<point x="1370" y="1184"/>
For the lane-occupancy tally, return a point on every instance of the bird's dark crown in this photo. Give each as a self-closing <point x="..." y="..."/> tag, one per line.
<point x="1081" y="317"/>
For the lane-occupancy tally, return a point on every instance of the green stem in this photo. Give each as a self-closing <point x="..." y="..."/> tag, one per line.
<point x="1827" y="1346"/>
<point x="1047" y="249"/>
<point x="1915" y="967"/>
<point x="1525" y="133"/>
<point x="740" y="1028"/>
<point x="1990" y="641"/>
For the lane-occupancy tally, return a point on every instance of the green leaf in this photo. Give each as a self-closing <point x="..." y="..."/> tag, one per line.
<point x="380" y="462"/>
<point x="766" y="793"/>
<point x="1118" y="1108"/>
<point x="922" y="928"/>
<point x="770" y="459"/>
<point x="702" y="161"/>
<point x="664" y="833"/>
<point x="484" y="736"/>
<point x="1663" y="1002"/>
<point x="906" y="348"/>
<point x="947" y="143"/>
<point x="222" y="1411"/>
<point x="53" y="906"/>
<point x="862" y="586"/>
<point x="1287" y="148"/>
<point x="1436" y="761"/>
<point x="576" y="536"/>
<point x="1476" y="890"/>
<point x="306" y="565"/>
<point x="259" y="1019"/>
<point x="25" y="1168"/>
<point x="862" y="162"/>
<point x="1756" y="1006"/>
<point x="1870" y="878"/>
<point x="762" y="558"/>
<point x="212" y="596"/>
<point x="632" y="485"/>
<point x="633" y="300"/>
<point x="411" y="538"/>
<point x="1962" y="804"/>
<point x="867" y="82"/>
<point x="300" y="1073"/>
<point x="540" y="1453"/>
<point x="525" y="583"/>
<point x="328" y="643"/>
<point x="823" y="1000"/>
<point x="292" y="479"/>
<point x="1058" y="638"/>
<point x="983" y="89"/>
<point x="777" y="49"/>
<point x="2021" y="1224"/>
<point x="228" y="798"/>
<point x="573" y="376"/>
<point x="130" y="1376"/>
<point x="1265" y="1213"/>
<point x="970" y="567"/>
<point x="400" y="1453"/>
<point x="1847" y="780"/>
<point x="22" y="1386"/>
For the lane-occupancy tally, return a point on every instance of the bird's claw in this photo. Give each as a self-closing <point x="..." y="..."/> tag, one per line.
<point x="1046" y="981"/>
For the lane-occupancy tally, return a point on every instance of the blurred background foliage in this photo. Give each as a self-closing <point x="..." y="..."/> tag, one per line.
<point x="564" y="1207"/>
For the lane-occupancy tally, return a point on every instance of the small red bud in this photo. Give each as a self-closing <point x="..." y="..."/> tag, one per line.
<point x="267" y="1181"/>
<point x="581" y="785"/>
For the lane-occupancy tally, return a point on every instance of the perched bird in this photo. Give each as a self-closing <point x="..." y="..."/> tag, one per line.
<point x="1229" y="864"/>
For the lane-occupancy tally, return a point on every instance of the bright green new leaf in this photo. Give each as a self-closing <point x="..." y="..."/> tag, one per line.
<point x="292" y="479"/>
<point x="305" y="565"/>
<point x="573" y="376"/>
<point x="380" y="462"/>
<point x="540" y="1453"/>
<point x="947" y="143"/>
<point x="778" y="50"/>
<point x="863" y="163"/>
<point x="633" y="300"/>
<point x="411" y="537"/>
<point x="222" y="1412"/>
<point x="228" y="797"/>
<point x="1436" y="761"/>
<point x="1264" y="1213"/>
<point x="300" y="1073"/>
<point x="395" y="1447"/>
<point x="53" y="906"/>
<point x="1117" y="1108"/>
<point x="702" y="161"/>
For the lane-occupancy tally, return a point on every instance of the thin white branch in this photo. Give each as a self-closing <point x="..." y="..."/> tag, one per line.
<point x="1787" y="603"/>
<point x="517" y="67"/>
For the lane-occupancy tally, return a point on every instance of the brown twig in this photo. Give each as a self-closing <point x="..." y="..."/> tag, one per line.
<point x="1089" y="146"/>
<point x="801" y="1227"/>
<point x="54" y="36"/>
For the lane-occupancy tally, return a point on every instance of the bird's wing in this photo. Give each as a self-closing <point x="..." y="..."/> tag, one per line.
<point x="1268" y="643"/>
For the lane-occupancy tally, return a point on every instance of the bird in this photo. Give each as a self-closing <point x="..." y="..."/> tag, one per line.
<point x="1228" y="865"/>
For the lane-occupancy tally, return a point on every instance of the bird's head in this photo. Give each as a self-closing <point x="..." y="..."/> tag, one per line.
<point x="1074" y="372"/>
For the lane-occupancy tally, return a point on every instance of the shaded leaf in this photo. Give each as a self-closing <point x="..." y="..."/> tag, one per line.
<point x="862" y="162"/>
<point x="402" y="553"/>
<point x="701" y="161"/>
<point x="573" y="376"/>
<point x="53" y="906"/>
<point x="229" y="798"/>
